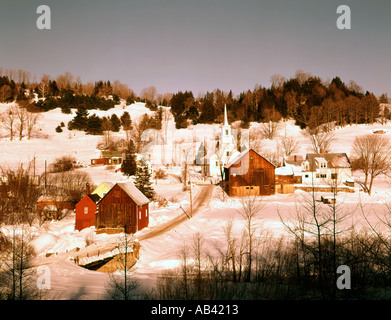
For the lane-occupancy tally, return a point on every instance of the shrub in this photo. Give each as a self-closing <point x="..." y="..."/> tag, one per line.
<point x="62" y="164"/>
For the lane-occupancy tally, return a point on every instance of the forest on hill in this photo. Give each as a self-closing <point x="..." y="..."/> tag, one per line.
<point x="304" y="97"/>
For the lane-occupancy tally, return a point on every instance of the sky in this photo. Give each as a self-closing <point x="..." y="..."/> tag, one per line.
<point x="199" y="45"/>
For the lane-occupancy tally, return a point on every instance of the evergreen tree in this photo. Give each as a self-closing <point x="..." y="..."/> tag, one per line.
<point x="126" y="121"/>
<point x="143" y="180"/>
<point x="94" y="125"/>
<point x="115" y="122"/>
<point x="79" y="122"/>
<point x="129" y="165"/>
<point x="129" y="101"/>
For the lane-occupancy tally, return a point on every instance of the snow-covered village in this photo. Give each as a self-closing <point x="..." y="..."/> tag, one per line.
<point x="277" y="191"/>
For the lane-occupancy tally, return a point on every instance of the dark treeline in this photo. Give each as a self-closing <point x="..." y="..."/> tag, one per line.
<point x="93" y="124"/>
<point x="65" y="91"/>
<point x="304" y="97"/>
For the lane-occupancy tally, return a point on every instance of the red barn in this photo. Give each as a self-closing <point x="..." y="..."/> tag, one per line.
<point x="123" y="208"/>
<point x="249" y="174"/>
<point x="86" y="210"/>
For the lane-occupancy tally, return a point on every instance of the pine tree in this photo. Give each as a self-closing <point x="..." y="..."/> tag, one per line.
<point x="129" y="165"/>
<point x="143" y="180"/>
<point x="115" y="122"/>
<point x="126" y="121"/>
<point x="79" y="122"/>
<point x="94" y="125"/>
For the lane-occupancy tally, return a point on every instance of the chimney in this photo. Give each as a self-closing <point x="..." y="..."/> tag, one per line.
<point x="87" y="188"/>
<point x="321" y="151"/>
<point x="295" y="158"/>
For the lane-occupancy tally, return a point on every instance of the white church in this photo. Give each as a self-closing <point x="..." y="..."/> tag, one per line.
<point x="226" y="150"/>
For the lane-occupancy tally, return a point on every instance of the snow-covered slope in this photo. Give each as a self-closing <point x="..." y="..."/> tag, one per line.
<point x="162" y="252"/>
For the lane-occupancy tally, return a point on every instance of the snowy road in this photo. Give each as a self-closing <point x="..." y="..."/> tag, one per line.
<point x="201" y="199"/>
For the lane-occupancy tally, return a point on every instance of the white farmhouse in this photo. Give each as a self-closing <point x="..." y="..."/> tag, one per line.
<point x="326" y="168"/>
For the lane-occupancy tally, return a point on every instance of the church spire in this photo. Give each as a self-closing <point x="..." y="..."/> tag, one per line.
<point x="225" y="116"/>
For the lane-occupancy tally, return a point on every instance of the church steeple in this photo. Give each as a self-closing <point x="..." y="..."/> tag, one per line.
<point x="226" y="129"/>
<point x="225" y="116"/>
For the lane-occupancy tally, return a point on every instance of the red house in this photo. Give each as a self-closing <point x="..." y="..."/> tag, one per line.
<point x="86" y="210"/>
<point x="123" y="208"/>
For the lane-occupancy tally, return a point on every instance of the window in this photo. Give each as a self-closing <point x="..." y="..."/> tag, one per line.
<point x="323" y="176"/>
<point x="139" y="214"/>
<point x="85" y="210"/>
<point x="116" y="194"/>
<point x="226" y="132"/>
<point x="227" y="153"/>
<point x="334" y="176"/>
<point x="306" y="176"/>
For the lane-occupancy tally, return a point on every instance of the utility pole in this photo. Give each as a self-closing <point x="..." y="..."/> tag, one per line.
<point x="191" y="202"/>
<point x="45" y="177"/>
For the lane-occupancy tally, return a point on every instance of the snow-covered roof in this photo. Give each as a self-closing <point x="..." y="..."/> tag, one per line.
<point x="108" y="184"/>
<point x="133" y="192"/>
<point x="283" y="171"/>
<point x="236" y="159"/>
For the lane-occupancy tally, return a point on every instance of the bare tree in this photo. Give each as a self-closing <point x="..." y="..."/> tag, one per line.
<point x="8" y="120"/>
<point x="320" y="140"/>
<point x="16" y="277"/>
<point x="43" y="86"/>
<point x="148" y="93"/>
<point x="124" y="287"/>
<point x="250" y="211"/>
<point x="288" y="144"/>
<point x="31" y="123"/>
<point x="309" y="228"/>
<point x="64" y="81"/>
<point x="21" y="115"/>
<point x="277" y="80"/>
<point x="371" y="154"/>
<point x="271" y="127"/>
<point x="255" y="142"/>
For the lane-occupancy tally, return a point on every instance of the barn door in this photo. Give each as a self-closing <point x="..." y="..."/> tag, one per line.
<point x="259" y="180"/>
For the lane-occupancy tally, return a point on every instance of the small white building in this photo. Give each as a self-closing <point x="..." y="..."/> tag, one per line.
<point x="225" y="151"/>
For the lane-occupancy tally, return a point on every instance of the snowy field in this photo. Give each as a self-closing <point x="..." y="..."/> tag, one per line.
<point x="162" y="252"/>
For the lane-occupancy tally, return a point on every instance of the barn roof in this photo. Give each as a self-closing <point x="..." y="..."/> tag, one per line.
<point x="108" y="184"/>
<point x="134" y="193"/>
<point x="239" y="157"/>
<point x="110" y="154"/>
<point x="54" y="198"/>
<point x="94" y="197"/>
